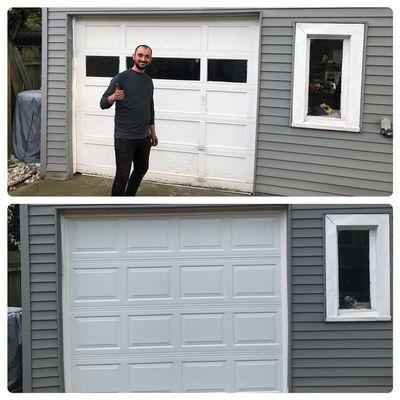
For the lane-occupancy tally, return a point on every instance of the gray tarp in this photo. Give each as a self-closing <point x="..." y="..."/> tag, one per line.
<point x="26" y="126"/>
<point x="14" y="349"/>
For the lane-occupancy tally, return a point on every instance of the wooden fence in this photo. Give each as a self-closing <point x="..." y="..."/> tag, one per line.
<point x="14" y="279"/>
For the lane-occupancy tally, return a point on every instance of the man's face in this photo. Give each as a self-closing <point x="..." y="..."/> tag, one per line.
<point x="142" y="58"/>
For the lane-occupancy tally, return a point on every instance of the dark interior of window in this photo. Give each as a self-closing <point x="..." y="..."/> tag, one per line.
<point x="354" y="279"/>
<point x="183" y="69"/>
<point x="325" y="81"/>
<point x="227" y="70"/>
<point x="105" y="66"/>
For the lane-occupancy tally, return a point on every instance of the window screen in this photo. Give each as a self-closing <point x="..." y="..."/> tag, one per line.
<point x="325" y="81"/>
<point x="227" y="70"/>
<point x="105" y="66"/>
<point x="354" y="287"/>
<point x="183" y="69"/>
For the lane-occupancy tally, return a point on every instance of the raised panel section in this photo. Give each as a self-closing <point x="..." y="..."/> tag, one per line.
<point x="102" y="37"/>
<point x="202" y="281"/>
<point x="96" y="332"/>
<point x="239" y="38"/>
<point x="257" y="375"/>
<point x="203" y="376"/>
<point x="149" y="283"/>
<point x="200" y="234"/>
<point x="171" y="162"/>
<point x="226" y="103"/>
<point x="95" y="284"/>
<point x="151" y="377"/>
<point x="225" y="167"/>
<point x="255" y="280"/>
<point x="150" y="331"/>
<point x="147" y="235"/>
<point x="225" y="136"/>
<point x="97" y="378"/>
<point x="178" y="100"/>
<point x="93" y="236"/>
<point x="202" y="329"/>
<point x="179" y="132"/>
<point x="255" y="328"/>
<point x="165" y="37"/>
<point x="255" y="233"/>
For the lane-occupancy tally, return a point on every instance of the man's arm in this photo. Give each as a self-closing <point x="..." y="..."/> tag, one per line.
<point x="112" y="94"/>
<point x="152" y="127"/>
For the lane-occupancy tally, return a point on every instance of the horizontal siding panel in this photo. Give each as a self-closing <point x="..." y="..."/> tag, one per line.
<point x="42" y="239"/>
<point x="44" y="296"/>
<point x="39" y="383"/>
<point x="343" y="334"/>
<point x="332" y="12"/>
<point x="355" y="343"/>
<point x="348" y="326"/>
<point x="57" y="167"/>
<point x="45" y="363"/>
<point x="45" y="334"/>
<point x="330" y="170"/>
<point x="44" y="325"/>
<point x="44" y="344"/>
<point x="308" y="298"/>
<point x="274" y="67"/>
<point x="45" y="353"/>
<point x="343" y="363"/>
<point x="342" y="353"/>
<point x="342" y="381"/>
<point x="41" y="229"/>
<point x="342" y="372"/>
<point x="341" y="389"/>
<point x="380" y="71"/>
<point x="45" y="373"/>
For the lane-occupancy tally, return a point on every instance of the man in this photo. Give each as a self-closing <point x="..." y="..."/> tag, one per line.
<point x="134" y="130"/>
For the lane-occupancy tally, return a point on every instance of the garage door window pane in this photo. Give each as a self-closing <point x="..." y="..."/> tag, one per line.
<point x="227" y="70"/>
<point x="102" y="66"/>
<point x="354" y="290"/>
<point x="181" y="69"/>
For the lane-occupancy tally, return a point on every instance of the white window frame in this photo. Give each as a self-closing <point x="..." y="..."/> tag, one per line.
<point x="352" y="70"/>
<point x="379" y="268"/>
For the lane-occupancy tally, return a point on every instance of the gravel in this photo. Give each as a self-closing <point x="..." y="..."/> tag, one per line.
<point x="19" y="171"/>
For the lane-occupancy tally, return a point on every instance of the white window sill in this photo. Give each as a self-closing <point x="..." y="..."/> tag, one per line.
<point x="326" y="125"/>
<point x="359" y="315"/>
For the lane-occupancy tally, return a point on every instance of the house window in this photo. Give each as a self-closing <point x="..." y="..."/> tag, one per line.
<point x="327" y="76"/>
<point x="102" y="66"/>
<point x="357" y="262"/>
<point x="227" y="70"/>
<point x="182" y="69"/>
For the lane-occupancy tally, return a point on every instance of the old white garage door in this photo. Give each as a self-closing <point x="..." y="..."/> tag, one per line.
<point x="205" y="77"/>
<point x="174" y="303"/>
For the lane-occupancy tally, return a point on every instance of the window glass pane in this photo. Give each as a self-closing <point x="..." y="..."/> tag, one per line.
<point x="102" y="66"/>
<point x="354" y="287"/>
<point x="325" y="77"/>
<point x="183" y="69"/>
<point x="227" y="70"/>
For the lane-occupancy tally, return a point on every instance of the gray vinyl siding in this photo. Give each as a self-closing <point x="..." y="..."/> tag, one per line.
<point x="335" y="356"/>
<point x="299" y="161"/>
<point x="41" y="305"/>
<point x="289" y="161"/>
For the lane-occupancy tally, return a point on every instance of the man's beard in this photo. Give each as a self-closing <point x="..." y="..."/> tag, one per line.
<point x="139" y="67"/>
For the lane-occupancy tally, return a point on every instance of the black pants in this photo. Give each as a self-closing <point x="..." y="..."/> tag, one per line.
<point x="128" y="151"/>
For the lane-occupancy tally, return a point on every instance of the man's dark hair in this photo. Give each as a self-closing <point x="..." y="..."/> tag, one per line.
<point x="145" y="46"/>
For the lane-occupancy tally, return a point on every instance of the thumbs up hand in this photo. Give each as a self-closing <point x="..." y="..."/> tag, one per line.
<point x="119" y="94"/>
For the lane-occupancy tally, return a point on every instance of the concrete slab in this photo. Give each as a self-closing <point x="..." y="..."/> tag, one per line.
<point x="84" y="185"/>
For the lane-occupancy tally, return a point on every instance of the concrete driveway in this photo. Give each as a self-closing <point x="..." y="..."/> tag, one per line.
<point x="83" y="185"/>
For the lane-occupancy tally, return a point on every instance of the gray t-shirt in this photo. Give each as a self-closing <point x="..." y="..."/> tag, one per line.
<point x="135" y="113"/>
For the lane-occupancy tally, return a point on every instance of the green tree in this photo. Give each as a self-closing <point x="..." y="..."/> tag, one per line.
<point x="22" y="20"/>
<point x="13" y="228"/>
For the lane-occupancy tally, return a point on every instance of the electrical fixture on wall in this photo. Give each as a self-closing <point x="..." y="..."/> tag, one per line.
<point x="386" y="127"/>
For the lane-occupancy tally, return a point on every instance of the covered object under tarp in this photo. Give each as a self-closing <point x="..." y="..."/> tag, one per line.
<point x="26" y="126"/>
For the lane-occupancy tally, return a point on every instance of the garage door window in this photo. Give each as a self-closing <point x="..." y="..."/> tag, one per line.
<point x="182" y="69"/>
<point x="357" y="267"/>
<point x="227" y="70"/>
<point x="327" y="76"/>
<point x="102" y="66"/>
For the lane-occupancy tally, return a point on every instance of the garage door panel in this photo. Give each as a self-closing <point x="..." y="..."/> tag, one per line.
<point x="240" y="38"/>
<point x="226" y="103"/>
<point x="96" y="333"/>
<point x="226" y="136"/>
<point x="164" y="37"/>
<point x="186" y="133"/>
<point x="88" y="127"/>
<point x="102" y="37"/>
<point x="97" y="157"/>
<point x="169" y="162"/>
<point x="178" y="100"/>
<point x="187" y="303"/>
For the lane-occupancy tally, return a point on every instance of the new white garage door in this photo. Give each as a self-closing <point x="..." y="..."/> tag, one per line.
<point x="205" y="82"/>
<point x="174" y="303"/>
